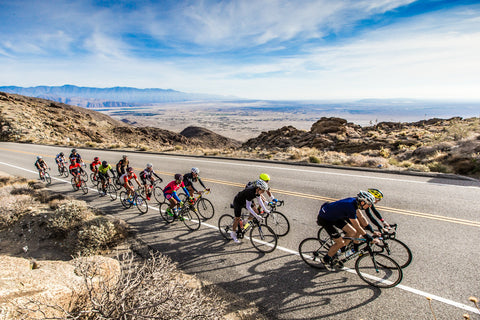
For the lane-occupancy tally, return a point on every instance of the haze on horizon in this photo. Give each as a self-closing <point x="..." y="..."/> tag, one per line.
<point x="266" y="49"/>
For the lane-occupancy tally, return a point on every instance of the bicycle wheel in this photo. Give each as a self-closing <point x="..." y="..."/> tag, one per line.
<point x="395" y="249"/>
<point x="112" y="192"/>
<point x="84" y="187"/>
<point x="205" y="208"/>
<point x="84" y="176"/>
<point x="182" y="196"/>
<point x="94" y="179"/>
<point x="190" y="218"/>
<point x="168" y="217"/>
<point x="141" y="203"/>
<point x="278" y="222"/>
<point x="65" y="172"/>
<point x="263" y="238"/>
<point x="74" y="184"/>
<point x="124" y="200"/>
<point x="60" y="170"/>
<point x="312" y="251"/>
<point x="48" y="179"/>
<point x="158" y="194"/>
<point x="225" y="224"/>
<point x="378" y="270"/>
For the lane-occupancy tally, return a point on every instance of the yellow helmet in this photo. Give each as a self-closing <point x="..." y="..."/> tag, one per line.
<point x="376" y="193"/>
<point x="265" y="177"/>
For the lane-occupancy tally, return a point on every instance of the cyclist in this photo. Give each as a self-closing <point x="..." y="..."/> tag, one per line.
<point x="127" y="184"/>
<point x="342" y="214"/>
<point x="244" y="199"/>
<point x="147" y="175"/>
<point x="60" y="159"/>
<point x="122" y="165"/>
<point x="41" y="165"/>
<point x="265" y="177"/>
<point x="75" y="155"/>
<point x="170" y="193"/>
<point x="75" y="169"/>
<point x="94" y="166"/>
<point x="378" y="196"/>
<point x="103" y="173"/>
<point x="190" y="178"/>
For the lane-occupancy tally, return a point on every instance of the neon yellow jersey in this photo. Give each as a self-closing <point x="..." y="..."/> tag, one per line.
<point x="103" y="169"/>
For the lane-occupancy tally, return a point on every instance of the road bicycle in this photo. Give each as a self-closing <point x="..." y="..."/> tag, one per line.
<point x="277" y="220"/>
<point x="136" y="200"/>
<point x="187" y="213"/>
<point x="81" y="185"/>
<point x="155" y="190"/>
<point x="109" y="189"/>
<point x="204" y="206"/>
<point x="62" y="169"/>
<point x="44" y="176"/>
<point x="262" y="237"/>
<point x="376" y="269"/>
<point x="388" y="244"/>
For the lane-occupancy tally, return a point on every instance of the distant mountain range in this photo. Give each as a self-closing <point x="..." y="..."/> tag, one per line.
<point x="107" y="97"/>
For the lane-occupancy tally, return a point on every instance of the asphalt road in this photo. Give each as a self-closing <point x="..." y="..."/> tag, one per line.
<point x="438" y="218"/>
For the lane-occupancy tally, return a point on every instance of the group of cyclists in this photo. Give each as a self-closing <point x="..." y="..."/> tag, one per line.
<point x="347" y="215"/>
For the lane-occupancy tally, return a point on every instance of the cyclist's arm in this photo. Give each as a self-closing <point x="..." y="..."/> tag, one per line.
<point x="358" y="227"/>
<point x="175" y="196"/>
<point x="368" y="212"/>
<point x="250" y="209"/>
<point x="263" y="204"/>
<point x="156" y="175"/>
<point x="201" y="183"/>
<point x="186" y="191"/>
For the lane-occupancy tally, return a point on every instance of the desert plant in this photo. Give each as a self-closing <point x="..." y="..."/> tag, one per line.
<point x="314" y="159"/>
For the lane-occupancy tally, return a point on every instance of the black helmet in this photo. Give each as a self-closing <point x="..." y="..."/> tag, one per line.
<point x="61" y="154"/>
<point x="104" y="163"/>
<point x="129" y="169"/>
<point x="74" y="150"/>
<point x="178" y="176"/>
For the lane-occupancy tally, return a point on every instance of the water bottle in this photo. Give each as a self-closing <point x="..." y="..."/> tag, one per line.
<point x="245" y="225"/>
<point x="349" y="253"/>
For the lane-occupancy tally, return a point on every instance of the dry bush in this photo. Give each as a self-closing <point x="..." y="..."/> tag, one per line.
<point x="69" y="214"/>
<point x="13" y="206"/>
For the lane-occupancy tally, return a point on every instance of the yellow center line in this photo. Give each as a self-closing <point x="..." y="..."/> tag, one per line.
<point x="313" y="197"/>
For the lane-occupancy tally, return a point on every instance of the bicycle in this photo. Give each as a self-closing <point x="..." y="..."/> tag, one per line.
<point x="62" y="169"/>
<point x="44" y="176"/>
<point x="134" y="200"/>
<point x="109" y="189"/>
<point x="187" y="213"/>
<point x="388" y="244"/>
<point x="94" y="178"/>
<point x="262" y="237"/>
<point x="277" y="220"/>
<point x="156" y="190"/>
<point x="374" y="268"/>
<point x="81" y="185"/>
<point x="84" y="171"/>
<point x="204" y="206"/>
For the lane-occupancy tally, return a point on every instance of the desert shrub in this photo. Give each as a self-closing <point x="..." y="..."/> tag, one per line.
<point x="384" y="152"/>
<point x="13" y="207"/>
<point x="143" y="148"/>
<point x="178" y="148"/>
<point x="90" y="144"/>
<point x="68" y="215"/>
<point x="438" y="167"/>
<point x="314" y="159"/>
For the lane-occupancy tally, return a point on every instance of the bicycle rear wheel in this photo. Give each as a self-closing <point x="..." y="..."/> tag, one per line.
<point x="112" y="192"/>
<point x="65" y="172"/>
<point x="395" y="249"/>
<point x="278" y="222"/>
<point x="225" y="224"/>
<point x="190" y="219"/>
<point x="84" y="176"/>
<point x="141" y="203"/>
<point x="48" y="179"/>
<point x="158" y="194"/>
<point x="168" y="217"/>
<point x="263" y="238"/>
<point x="312" y="250"/>
<point x="205" y="208"/>
<point x="94" y="179"/>
<point x="84" y="187"/>
<point x="74" y="184"/>
<point x="378" y="270"/>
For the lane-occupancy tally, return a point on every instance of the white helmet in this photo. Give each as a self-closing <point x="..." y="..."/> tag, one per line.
<point x="261" y="184"/>
<point x="195" y="170"/>
<point x="39" y="157"/>
<point x="366" y="196"/>
<point x="149" y="165"/>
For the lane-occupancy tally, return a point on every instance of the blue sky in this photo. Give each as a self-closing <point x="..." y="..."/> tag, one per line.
<point x="260" y="49"/>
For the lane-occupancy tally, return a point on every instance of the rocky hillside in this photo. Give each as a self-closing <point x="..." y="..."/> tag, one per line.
<point x="451" y="145"/>
<point x="25" y="119"/>
<point x="209" y="138"/>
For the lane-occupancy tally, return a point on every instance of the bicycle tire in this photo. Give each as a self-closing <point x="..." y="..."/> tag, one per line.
<point x="60" y="170"/>
<point x="84" y="176"/>
<point x="48" y="179"/>
<point x="278" y="222"/>
<point x="395" y="249"/>
<point x="158" y="194"/>
<point x="100" y="189"/>
<point x="182" y="196"/>
<point x="225" y="224"/>
<point x="65" y="172"/>
<point x="263" y="238"/>
<point x="124" y="200"/>
<point x="141" y="203"/>
<point x="386" y="274"/>
<point x="205" y="208"/>
<point x="74" y="184"/>
<point x="94" y="179"/>
<point x="312" y="250"/>
<point x="190" y="219"/>
<point x="162" y="209"/>
<point x="112" y="192"/>
<point x="84" y="187"/>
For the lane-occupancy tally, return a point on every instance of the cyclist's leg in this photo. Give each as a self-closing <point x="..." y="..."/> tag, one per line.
<point x="331" y="228"/>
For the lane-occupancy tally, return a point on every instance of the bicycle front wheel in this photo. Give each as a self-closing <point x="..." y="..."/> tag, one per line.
<point x="205" y="208"/>
<point x="112" y="192"/>
<point x="65" y="172"/>
<point x="158" y="195"/>
<point x="278" y="222"/>
<point x="48" y="179"/>
<point x="312" y="251"/>
<point x="84" y="187"/>
<point x="397" y="250"/>
<point x="190" y="219"/>
<point x="94" y="179"/>
<point x="378" y="270"/>
<point x="263" y="238"/>
<point x="225" y="224"/>
<point x="168" y="217"/>
<point x="141" y="203"/>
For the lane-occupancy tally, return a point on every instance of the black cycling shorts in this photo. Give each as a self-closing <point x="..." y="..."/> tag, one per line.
<point x="331" y="226"/>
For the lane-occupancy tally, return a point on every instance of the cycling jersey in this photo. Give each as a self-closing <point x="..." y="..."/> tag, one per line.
<point x="244" y="199"/>
<point x="59" y="158"/>
<point x="94" y="164"/>
<point x="76" y="156"/>
<point x="126" y="178"/>
<point x="188" y="180"/>
<point x="104" y="170"/>
<point x="170" y="190"/>
<point x="339" y="210"/>
<point x="75" y="168"/>
<point x="39" y="164"/>
<point x="121" y="165"/>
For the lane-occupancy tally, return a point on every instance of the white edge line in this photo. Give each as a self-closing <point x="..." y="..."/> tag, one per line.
<point x="400" y="286"/>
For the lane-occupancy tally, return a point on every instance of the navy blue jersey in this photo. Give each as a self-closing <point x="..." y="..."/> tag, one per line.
<point x="341" y="209"/>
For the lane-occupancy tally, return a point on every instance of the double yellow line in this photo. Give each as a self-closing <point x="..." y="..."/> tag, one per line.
<point x="320" y="198"/>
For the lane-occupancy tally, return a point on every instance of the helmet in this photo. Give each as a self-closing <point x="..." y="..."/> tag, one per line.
<point x="149" y="165"/>
<point x="376" y="193"/>
<point x="265" y="177"/>
<point x="124" y="157"/>
<point x="178" y="176"/>
<point x="195" y="170"/>
<point x="61" y="154"/>
<point x="96" y="159"/>
<point x="129" y="169"/>
<point x="261" y="184"/>
<point x="39" y="157"/>
<point x="104" y="163"/>
<point x="366" y="196"/>
<point x="74" y="150"/>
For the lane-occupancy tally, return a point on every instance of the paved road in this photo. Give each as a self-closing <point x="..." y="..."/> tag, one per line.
<point x="439" y="219"/>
